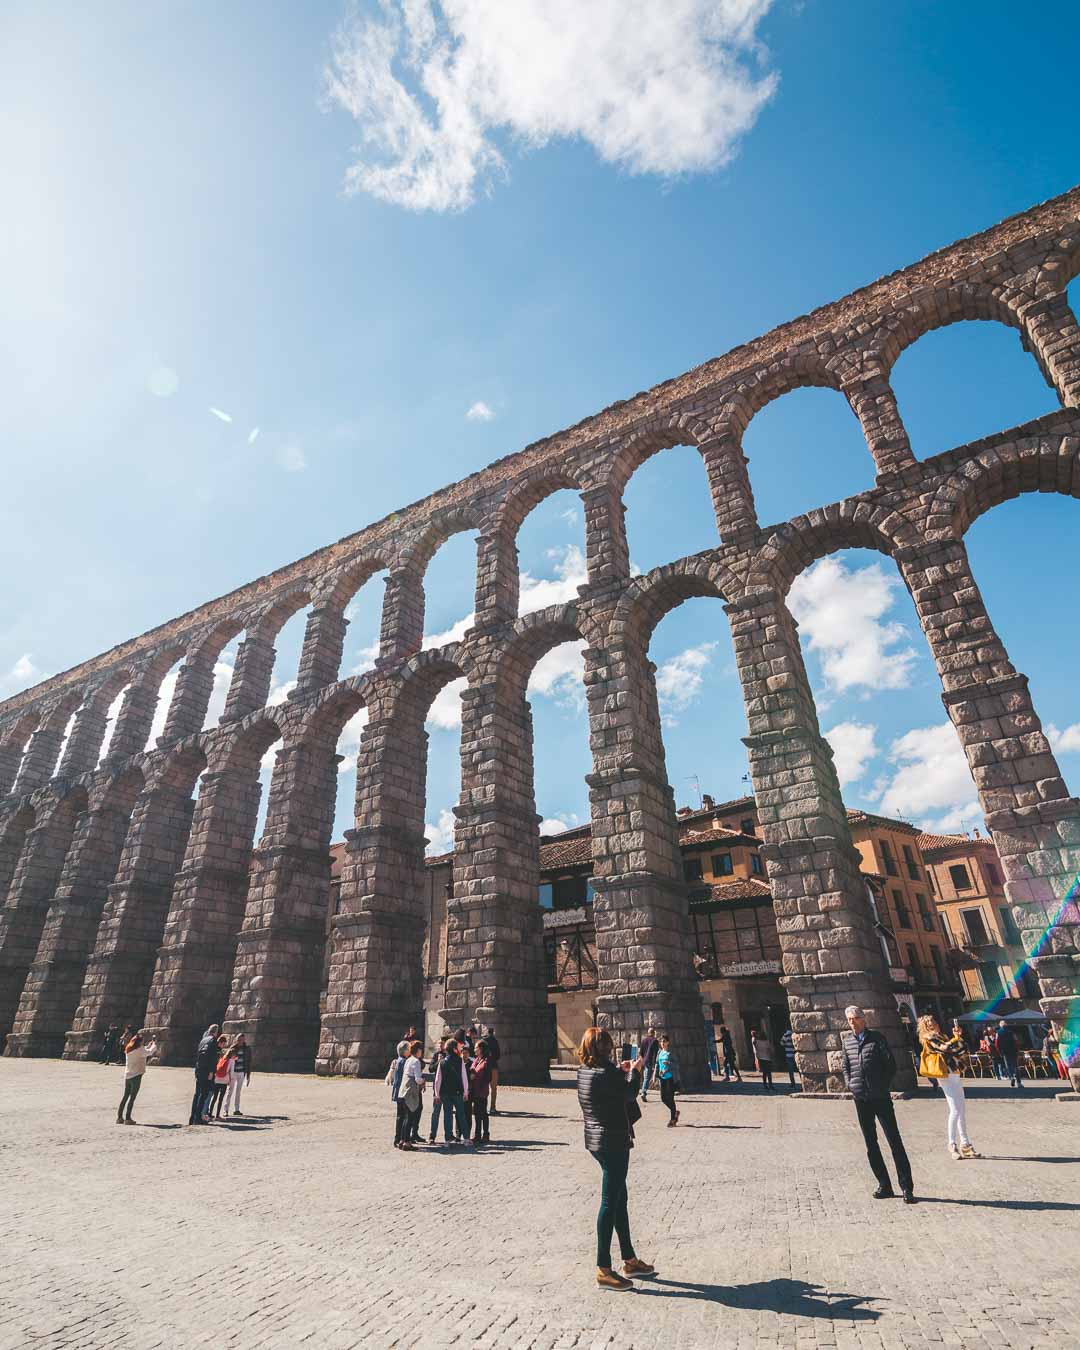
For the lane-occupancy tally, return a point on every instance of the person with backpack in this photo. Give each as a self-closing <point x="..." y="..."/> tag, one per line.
<point x="239" y="1074"/>
<point x="206" y="1058"/>
<point x="667" y="1070"/>
<point x="452" y="1094"/>
<point x="222" y="1074"/>
<point x="727" y="1047"/>
<point x="494" y="1050"/>
<point x="480" y="1080"/>
<point x="136" y="1054"/>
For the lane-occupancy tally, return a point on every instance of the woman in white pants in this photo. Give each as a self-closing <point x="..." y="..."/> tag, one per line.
<point x="940" y="1059"/>
<point x="239" y="1074"/>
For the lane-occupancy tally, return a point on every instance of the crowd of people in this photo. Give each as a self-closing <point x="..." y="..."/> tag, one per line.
<point x="463" y="1073"/>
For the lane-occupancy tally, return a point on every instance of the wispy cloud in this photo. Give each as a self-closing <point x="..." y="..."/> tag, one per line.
<point x="480" y="412"/>
<point x="292" y="459"/>
<point x="436" y="85"/>
<point x="854" y="745"/>
<point x="22" y="674"/>
<point x="559" y="824"/>
<point x="679" y="680"/>
<point x="253" y="435"/>
<point x="221" y="416"/>
<point x="841" y="614"/>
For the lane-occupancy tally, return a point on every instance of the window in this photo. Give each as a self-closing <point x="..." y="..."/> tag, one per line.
<point x="1009" y="930"/>
<point x="911" y="864"/>
<point x="930" y="880"/>
<point x="993" y="874"/>
<point x="976" y="928"/>
<point x="960" y="879"/>
<point x="755" y="864"/>
<point x="924" y="912"/>
<point x="887" y="858"/>
<point x="691" y="869"/>
<point x="947" y="931"/>
<point x="546" y="895"/>
<point x="913" y="963"/>
<point x="903" y="918"/>
<point x="748" y="827"/>
<point x="991" y="980"/>
<point x="721" y="865"/>
<point x="590" y="891"/>
<point x="569" y="892"/>
<point x="939" y="965"/>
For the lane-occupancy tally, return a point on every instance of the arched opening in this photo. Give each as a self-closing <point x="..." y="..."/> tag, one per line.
<point x="120" y="971"/>
<point x="288" y="643"/>
<point x="112" y="717"/>
<point x="166" y="690"/>
<point x="450" y="590"/>
<point x="13" y="748"/>
<point x="805" y="448"/>
<point x="669" y="511"/>
<point x="12" y="840"/>
<point x="964" y="381"/>
<point x="364" y="615"/>
<point x="223" y="669"/>
<point x="551" y="552"/>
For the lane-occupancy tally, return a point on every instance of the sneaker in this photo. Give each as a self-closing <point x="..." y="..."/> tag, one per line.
<point x="909" y="1198"/>
<point x="884" y="1193"/>
<point x="970" y="1151"/>
<point x="129" y="1121"/>
<point x="636" y="1267"/>
<point x="954" y="1150"/>
<point x="607" y="1279"/>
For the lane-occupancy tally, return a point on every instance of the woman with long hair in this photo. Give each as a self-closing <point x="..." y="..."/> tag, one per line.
<point x="604" y="1093"/>
<point x="940" y="1059"/>
<point x="136" y="1054"/>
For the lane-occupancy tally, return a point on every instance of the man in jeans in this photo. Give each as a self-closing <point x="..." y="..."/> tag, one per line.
<point x="869" y="1068"/>
<point x="206" y="1058"/>
<point x="1009" y="1053"/>
<point x="452" y="1094"/>
<point x="648" y="1051"/>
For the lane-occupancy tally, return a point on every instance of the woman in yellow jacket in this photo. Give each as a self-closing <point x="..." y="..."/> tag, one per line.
<point x="940" y="1059"/>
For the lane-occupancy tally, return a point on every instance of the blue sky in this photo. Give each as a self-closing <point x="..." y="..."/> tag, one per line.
<point x="178" y="237"/>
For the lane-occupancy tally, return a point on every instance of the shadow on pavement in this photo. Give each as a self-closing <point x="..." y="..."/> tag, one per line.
<point x="1035" y="1205"/>
<point x="1006" y="1157"/>
<point x="796" y="1297"/>
<point x="151" y="1125"/>
<point x="685" y="1125"/>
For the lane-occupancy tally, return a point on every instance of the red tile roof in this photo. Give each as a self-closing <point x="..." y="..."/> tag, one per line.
<point x="716" y="836"/>
<point x="740" y="888"/>
<point x="882" y="822"/>
<point x="570" y="850"/>
<point x="943" y="843"/>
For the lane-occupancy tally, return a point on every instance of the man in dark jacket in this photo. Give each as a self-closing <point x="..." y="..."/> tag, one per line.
<point x="1008" y="1052"/>
<point x="869" y="1068"/>
<point x="493" y="1054"/>
<point x="648" y="1050"/>
<point x="206" y="1058"/>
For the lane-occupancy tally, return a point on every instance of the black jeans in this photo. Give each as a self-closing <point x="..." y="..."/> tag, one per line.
<point x="131" y="1091"/>
<point x="204" y="1083"/>
<point x="765" y="1065"/>
<point x="870" y="1113"/>
<point x="730" y="1067"/>
<point x="480" y="1118"/>
<point x="216" y="1099"/>
<point x="791" y="1068"/>
<point x="613" y="1216"/>
<point x="667" y="1094"/>
<point x="402" y="1130"/>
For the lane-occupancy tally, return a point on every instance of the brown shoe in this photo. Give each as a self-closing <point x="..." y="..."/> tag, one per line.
<point x="607" y="1279"/>
<point x="636" y="1267"/>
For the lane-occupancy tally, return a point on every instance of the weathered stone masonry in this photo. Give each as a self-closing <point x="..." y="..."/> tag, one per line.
<point x="123" y="899"/>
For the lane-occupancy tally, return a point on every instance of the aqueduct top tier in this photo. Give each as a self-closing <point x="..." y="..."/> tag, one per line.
<point x="56" y="855"/>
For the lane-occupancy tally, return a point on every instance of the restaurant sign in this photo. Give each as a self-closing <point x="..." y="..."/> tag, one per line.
<point x="752" y="968"/>
<point x="563" y="918"/>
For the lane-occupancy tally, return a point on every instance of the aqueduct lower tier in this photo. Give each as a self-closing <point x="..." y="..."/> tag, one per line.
<point x="128" y="900"/>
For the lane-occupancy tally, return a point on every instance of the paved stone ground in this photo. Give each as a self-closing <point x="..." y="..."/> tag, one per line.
<point x="300" y="1225"/>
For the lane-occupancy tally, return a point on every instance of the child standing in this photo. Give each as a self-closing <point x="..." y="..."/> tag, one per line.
<point x="222" y="1073"/>
<point x="667" y="1070"/>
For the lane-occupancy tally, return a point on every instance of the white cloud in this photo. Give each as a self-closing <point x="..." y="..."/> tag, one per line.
<point x="163" y="382"/>
<point x="454" y="633"/>
<point x="840" y="613"/>
<point x="21" y="675"/>
<point x="292" y="459"/>
<point x="349" y="741"/>
<point x="445" y="710"/>
<point x="161" y="712"/>
<point x="679" y="680"/>
<point x="570" y="573"/>
<point x="480" y="412"/>
<point x="280" y="692"/>
<point x="653" y="88"/>
<point x="221" y="416"/>
<point x="440" y="837"/>
<point x="853" y="745"/>
<point x="1063" y="742"/>
<point x="223" y="673"/>
<point x="559" y="675"/>
<point x="565" y="820"/>
<point x="253" y="435"/>
<point x="931" y="775"/>
<point x="366" y="658"/>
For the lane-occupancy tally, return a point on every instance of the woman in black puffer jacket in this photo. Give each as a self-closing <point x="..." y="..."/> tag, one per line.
<point x="606" y="1095"/>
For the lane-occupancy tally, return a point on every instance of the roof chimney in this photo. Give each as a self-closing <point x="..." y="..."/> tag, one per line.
<point x="707" y="802"/>
<point x="685" y="811"/>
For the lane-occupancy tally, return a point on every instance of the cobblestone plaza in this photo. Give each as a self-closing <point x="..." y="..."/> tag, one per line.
<point x="299" y="1224"/>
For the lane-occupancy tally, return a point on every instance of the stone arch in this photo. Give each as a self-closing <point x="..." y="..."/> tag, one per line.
<point x="937" y="309"/>
<point x="656" y="594"/>
<point x="1002" y="470"/>
<point x="498" y="576"/>
<point x="533" y="636"/>
<point x="13" y="743"/>
<point x="1059" y="266"/>
<point x="660" y="432"/>
<point x="796" y="545"/>
<point x="801" y="370"/>
<point x="404" y="610"/>
<point x="39" y="760"/>
<point x="13" y="834"/>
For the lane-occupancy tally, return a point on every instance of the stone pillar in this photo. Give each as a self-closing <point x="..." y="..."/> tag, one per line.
<point x="497" y="579"/>
<point x="86" y="739"/>
<point x="320" y="657"/>
<point x="874" y="404"/>
<point x="1034" y="822"/>
<point x="192" y="979"/>
<point x="644" y="943"/>
<point x="23" y="916"/>
<point x="134" y="720"/>
<point x="831" y="953"/>
<point x="250" y="685"/>
<point x="495" y="968"/>
<point x="12" y="843"/>
<point x="51" y="993"/>
<point x="401" y="633"/>
<point x="119" y="971"/>
<point x="729" y="484"/>
<point x="1054" y="338"/>
<point x="606" y="550"/>
<point x="39" y="761"/>
<point x="277" y="978"/>
<point x="10" y="758"/>
<point x="375" y="980"/>
<point x="191" y="696"/>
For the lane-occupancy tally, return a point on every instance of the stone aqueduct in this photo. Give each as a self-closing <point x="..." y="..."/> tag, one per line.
<point x="126" y="899"/>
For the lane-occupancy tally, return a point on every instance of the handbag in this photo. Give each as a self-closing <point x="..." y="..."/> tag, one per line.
<point x="932" y="1064"/>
